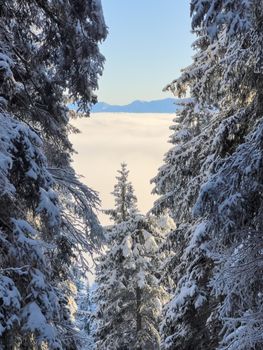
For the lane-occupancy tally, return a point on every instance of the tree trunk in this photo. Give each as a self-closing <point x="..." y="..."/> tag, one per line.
<point x="138" y="314"/>
<point x="7" y="341"/>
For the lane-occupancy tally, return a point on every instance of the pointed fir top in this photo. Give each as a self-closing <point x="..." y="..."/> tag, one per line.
<point x="125" y="200"/>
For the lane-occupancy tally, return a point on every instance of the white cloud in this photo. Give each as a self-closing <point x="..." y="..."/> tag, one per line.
<point x="140" y="140"/>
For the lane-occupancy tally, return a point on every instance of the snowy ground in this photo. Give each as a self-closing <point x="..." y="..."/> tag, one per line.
<point x="109" y="139"/>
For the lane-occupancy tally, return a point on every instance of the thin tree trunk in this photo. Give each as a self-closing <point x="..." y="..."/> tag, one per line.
<point x="138" y="313"/>
<point x="7" y="342"/>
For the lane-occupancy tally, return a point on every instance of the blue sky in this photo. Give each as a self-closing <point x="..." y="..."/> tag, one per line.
<point x="149" y="42"/>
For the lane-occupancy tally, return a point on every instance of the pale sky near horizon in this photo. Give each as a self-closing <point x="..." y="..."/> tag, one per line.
<point x="149" y="42"/>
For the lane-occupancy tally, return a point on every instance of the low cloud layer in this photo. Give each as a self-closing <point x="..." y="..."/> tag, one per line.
<point x="106" y="140"/>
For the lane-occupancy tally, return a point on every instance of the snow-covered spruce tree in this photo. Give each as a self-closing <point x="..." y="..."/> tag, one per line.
<point x="231" y="199"/>
<point x="211" y="182"/>
<point x="48" y="55"/>
<point x="125" y="200"/>
<point x="128" y="296"/>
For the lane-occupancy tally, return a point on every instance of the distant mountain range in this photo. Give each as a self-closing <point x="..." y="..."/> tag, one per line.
<point x="167" y="105"/>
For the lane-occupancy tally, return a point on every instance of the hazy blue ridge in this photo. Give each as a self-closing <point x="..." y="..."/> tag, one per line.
<point x="167" y="105"/>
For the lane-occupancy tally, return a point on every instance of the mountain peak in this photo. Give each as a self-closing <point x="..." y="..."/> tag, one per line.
<point x="167" y="105"/>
